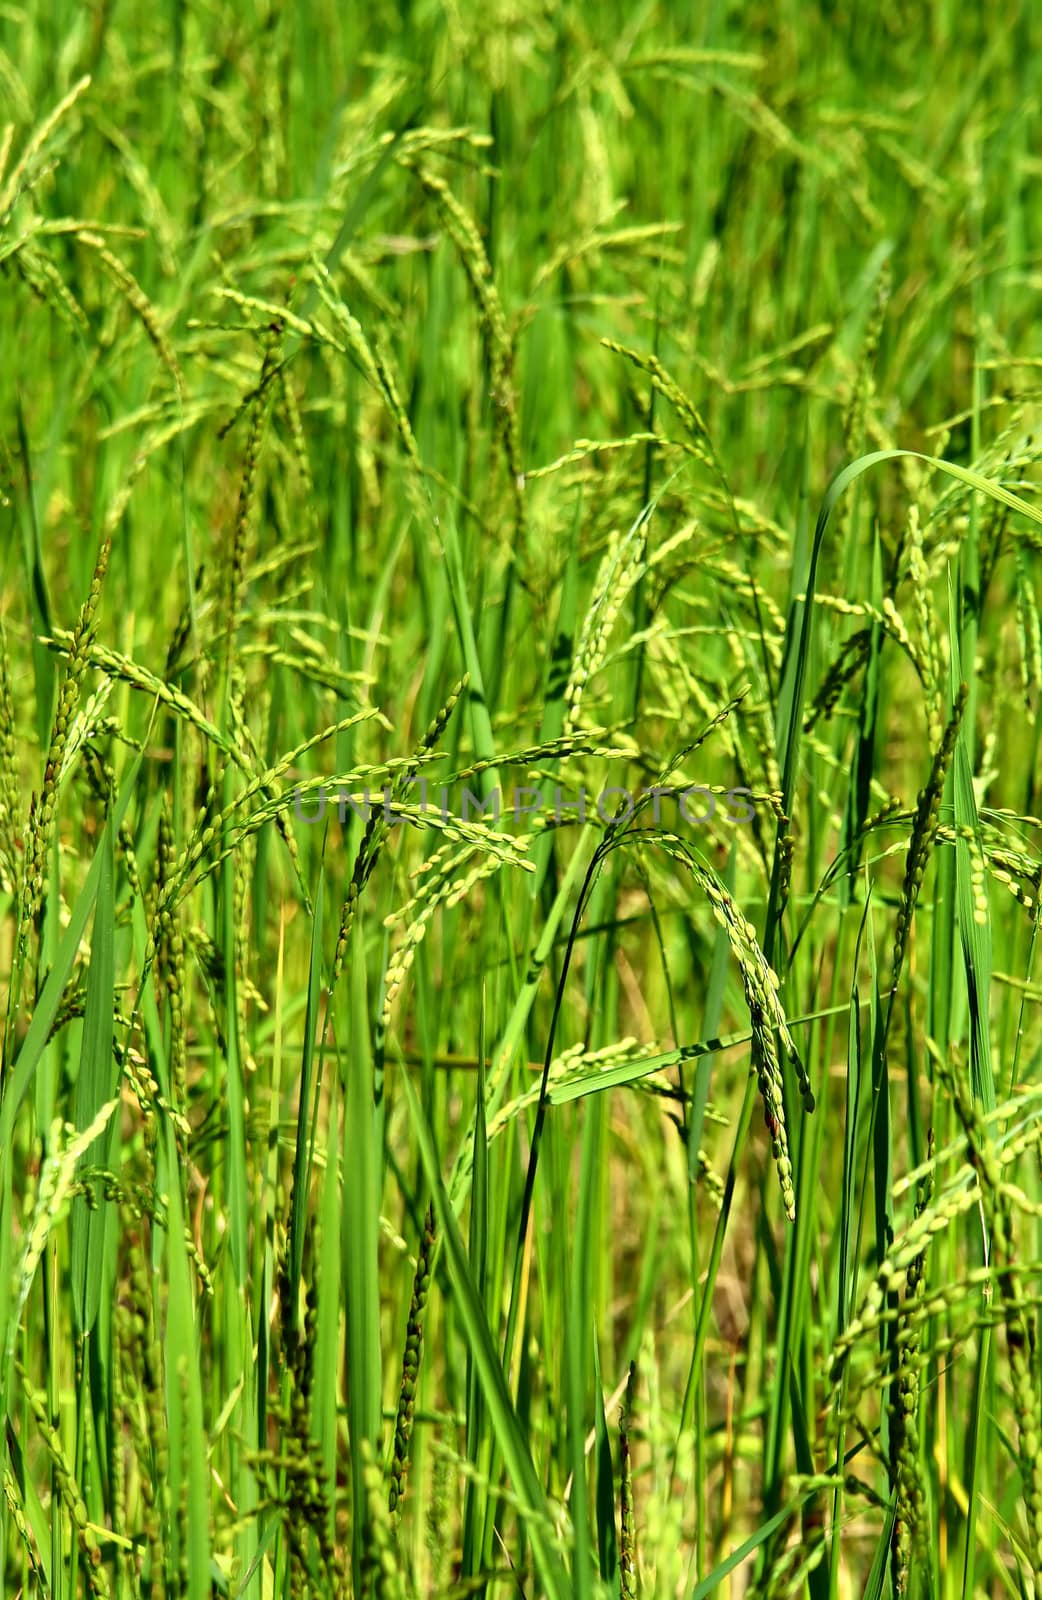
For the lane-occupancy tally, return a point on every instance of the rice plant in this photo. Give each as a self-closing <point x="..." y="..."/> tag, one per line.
<point x="520" y="839"/>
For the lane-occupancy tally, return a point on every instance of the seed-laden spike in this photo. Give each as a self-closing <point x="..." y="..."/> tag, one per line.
<point x="1029" y="634"/>
<point x="260" y="404"/>
<point x="16" y="1509"/>
<point x="382" y="1577"/>
<point x="376" y="827"/>
<point x="925" y="631"/>
<point x="905" y="1467"/>
<point x="40" y="830"/>
<point x="863" y="386"/>
<point x="443" y="716"/>
<point x="620" y="570"/>
<point x="411" y="1359"/>
<point x="499" y="341"/>
<point x="25" y="170"/>
<point x="138" y="302"/>
<point x="924" y="833"/>
<point x="449" y="882"/>
<point x="769" y="1083"/>
<point x="1014" y="1308"/>
<point x="767" y="1018"/>
<point x="852" y="656"/>
<point x="627" y="1522"/>
<point x="68" y="1489"/>
<point x="10" y="826"/>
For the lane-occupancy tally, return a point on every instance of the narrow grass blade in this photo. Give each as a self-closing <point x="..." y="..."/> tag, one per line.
<point x="503" y="1417"/>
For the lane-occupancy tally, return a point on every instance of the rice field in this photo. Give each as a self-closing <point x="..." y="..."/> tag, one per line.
<point x="520" y="814"/>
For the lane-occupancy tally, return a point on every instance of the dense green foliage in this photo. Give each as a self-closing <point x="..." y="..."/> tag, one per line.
<point x="444" y="1200"/>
